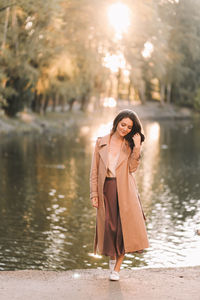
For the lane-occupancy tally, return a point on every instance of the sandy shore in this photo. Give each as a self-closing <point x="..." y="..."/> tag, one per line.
<point x="140" y="284"/>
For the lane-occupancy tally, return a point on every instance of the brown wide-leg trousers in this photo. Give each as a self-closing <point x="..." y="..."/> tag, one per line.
<point x="113" y="237"/>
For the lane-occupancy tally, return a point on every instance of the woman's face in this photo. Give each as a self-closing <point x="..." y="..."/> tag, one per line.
<point x="124" y="127"/>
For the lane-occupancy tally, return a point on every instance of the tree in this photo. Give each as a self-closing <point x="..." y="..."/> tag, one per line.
<point x="26" y="48"/>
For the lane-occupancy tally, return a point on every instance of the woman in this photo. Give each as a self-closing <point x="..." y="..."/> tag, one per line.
<point x="120" y="223"/>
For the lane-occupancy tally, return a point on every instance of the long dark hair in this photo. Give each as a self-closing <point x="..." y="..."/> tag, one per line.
<point x="137" y="127"/>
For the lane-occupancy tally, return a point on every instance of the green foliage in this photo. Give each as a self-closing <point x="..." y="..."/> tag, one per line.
<point x="52" y="52"/>
<point x="173" y="27"/>
<point x="25" y="50"/>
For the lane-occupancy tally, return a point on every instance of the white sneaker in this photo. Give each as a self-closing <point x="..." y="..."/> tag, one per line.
<point x="112" y="263"/>
<point x="114" y="275"/>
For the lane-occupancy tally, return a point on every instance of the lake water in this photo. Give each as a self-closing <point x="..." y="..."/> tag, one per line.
<point x="46" y="218"/>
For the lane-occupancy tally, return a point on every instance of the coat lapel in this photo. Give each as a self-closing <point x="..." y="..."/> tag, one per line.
<point x="104" y="147"/>
<point x="103" y="151"/>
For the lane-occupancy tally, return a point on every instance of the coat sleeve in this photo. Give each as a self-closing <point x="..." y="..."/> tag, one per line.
<point x="134" y="159"/>
<point x="94" y="172"/>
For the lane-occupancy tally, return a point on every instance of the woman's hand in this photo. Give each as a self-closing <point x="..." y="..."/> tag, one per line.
<point x="95" y="202"/>
<point x="137" y="140"/>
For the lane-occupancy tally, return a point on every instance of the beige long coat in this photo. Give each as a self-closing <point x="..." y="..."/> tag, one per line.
<point x="131" y="213"/>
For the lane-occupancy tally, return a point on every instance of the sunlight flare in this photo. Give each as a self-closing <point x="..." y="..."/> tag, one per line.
<point x="114" y="62"/>
<point x="148" y="49"/>
<point x="119" y="18"/>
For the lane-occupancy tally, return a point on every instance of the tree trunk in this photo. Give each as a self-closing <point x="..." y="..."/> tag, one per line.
<point x="169" y="88"/>
<point x="97" y="104"/>
<point x="39" y="103"/>
<point x="129" y="91"/>
<point x="141" y="91"/>
<point x="118" y="83"/>
<point x="71" y="103"/>
<point x="83" y="103"/>
<point x="5" y="27"/>
<point x="46" y="102"/>
<point x="14" y="26"/>
<point x="61" y="102"/>
<point x="110" y="89"/>
<point x="34" y="102"/>
<point x="162" y="93"/>
<point x="53" y="103"/>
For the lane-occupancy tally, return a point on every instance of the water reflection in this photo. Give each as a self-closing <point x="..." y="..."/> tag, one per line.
<point x="175" y="202"/>
<point x="47" y="221"/>
<point x="150" y="160"/>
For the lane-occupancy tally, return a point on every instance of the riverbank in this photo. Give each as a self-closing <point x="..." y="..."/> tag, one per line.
<point x="138" y="284"/>
<point x="27" y="122"/>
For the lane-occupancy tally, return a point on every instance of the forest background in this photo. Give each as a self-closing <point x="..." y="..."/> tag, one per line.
<point x="60" y="53"/>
